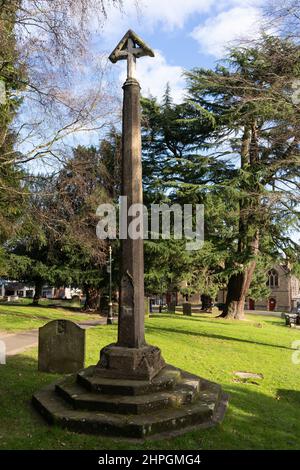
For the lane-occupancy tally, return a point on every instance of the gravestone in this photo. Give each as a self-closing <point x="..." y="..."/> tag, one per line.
<point x="104" y="304"/>
<point x="187" y="309"/>
<point x="61" y="347"/>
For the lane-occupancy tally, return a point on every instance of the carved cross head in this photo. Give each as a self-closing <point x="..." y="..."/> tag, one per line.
<point x="130" y="48"/>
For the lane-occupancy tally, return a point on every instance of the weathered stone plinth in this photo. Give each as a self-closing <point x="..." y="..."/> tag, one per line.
<point x="117" y="362"/>
<point x="172" y="402"/>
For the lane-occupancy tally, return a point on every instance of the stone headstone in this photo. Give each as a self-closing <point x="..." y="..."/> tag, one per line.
<point x="187" y="309"/>
<point x="61" y="347"/>
<point x="104" y="304"/>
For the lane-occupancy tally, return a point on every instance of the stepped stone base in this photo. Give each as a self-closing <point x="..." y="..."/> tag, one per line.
<point x="172" y="402"/>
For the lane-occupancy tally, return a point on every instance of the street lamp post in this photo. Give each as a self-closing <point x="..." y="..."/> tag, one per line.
<point x="110" y="318"/>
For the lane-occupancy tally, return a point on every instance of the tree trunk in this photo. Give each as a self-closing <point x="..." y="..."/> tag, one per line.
<point x="248" y="242"/>
<point x="37" y="291"/>
<point x="92" y="299"/>
<point x="238" y="286"/>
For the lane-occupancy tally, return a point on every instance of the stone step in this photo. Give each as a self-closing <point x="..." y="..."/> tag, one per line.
<point x="165" y="380"/>
<point x="170" y="419"/>
<point x="183" y="392"/>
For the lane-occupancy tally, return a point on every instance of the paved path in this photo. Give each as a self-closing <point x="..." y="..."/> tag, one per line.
<point x="17" y="342"/>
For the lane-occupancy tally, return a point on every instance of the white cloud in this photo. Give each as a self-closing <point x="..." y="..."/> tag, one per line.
<point x="174" y="13"/>
<point x="237" y="23"/>
<point x="151" y="14"/>
<point x="155" y="73"/>
<point x="221" y="25"/>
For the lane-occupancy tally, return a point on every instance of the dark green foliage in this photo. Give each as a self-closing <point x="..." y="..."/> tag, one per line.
<point x="232" y="146"/>
<point x="58" y="243"/>
<point x="257" y="127"/>
<point x="178" y="170"/>
<point x="11" y="192"/>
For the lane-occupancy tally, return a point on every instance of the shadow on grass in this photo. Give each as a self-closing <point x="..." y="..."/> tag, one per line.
<point x="154" y="329"/>
<point x="210" y="318"/>
<point x="178" y="316"/>
<point x="21" y="371"/>
<point x="19" y="380"/>
<point x="277" y="323"/>
<point x="21" y="427"/>
<point x="291" y="396"/>
<point x="260" y="421"/>
<point x="69" y="307"/>
<point x="28" y="317"/>
<point x="31" y="314"/>
<point x="253" y="421"/>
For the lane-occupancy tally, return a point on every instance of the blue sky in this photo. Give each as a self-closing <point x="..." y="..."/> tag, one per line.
<point x="183" y="33"/>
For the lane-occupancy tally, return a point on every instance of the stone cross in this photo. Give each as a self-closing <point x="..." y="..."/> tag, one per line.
<point x="131" y="392"/>
<point x="130" y="48"/>
<point x="130" y="357"/>
<point x="131" y="311"/>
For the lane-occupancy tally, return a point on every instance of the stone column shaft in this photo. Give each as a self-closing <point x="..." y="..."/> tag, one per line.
<point x="131" y="310"/>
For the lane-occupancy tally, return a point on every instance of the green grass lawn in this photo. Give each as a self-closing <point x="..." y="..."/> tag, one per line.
<point x="23" y="316"/>
<point x="265" y="415"/>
